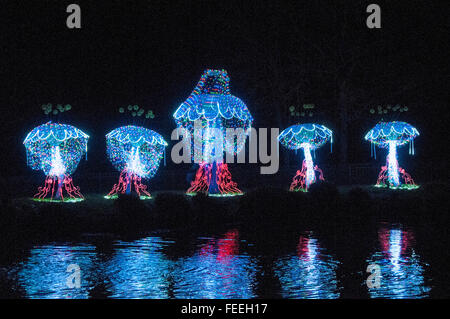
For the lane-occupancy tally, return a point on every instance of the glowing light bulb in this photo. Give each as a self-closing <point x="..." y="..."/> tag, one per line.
<point x="135" y="165"/>
<point x="57" y="164"/>
<point x="393" y="165"/>
<point x="310" y="175"/>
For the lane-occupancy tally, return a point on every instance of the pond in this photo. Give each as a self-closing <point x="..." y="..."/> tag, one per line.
<point x="221" y="264"/>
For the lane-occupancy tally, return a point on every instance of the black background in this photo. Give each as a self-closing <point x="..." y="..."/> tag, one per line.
<point x="277" y="53"/>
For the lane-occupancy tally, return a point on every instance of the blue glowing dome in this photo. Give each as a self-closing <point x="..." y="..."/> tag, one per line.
<point x="136" y="136"/>
<point x="54" y="133"/>
<point x="315" y="135"/>
<point x="135" y="148"/>
<point x="51" y="141"/>
<point x="211" y="99"/>
<point x="211" y="106"/>
<point x="387" y="132"/>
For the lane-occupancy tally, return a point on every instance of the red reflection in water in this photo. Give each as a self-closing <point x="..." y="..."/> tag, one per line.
<point x="307" y="248"/>
<point x="223" y="266"/>
<point x="389" y="238"/>
<point x="227" y="247"/>
<point x="303" y="247"/>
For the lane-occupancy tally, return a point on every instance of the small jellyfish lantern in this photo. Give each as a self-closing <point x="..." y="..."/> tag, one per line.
<point x="391" y="135"/>
<point x="308" y="137"/>
<point x="136" y="153"/>
<point x="219" y="122"/>
<point x="56" y="149"/>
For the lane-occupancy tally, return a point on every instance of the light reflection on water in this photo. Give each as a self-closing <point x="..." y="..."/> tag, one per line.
<point x="309" y="274"/>
<point x="140" y="269"/>
<point x="402" y="271"/>
<point x="211" y="267"/>
<point x="43" y="274"/>
<point x="217" y="270"/>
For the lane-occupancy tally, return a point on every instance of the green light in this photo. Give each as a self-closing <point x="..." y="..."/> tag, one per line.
<point x="115" y="196"/>
<point x="65" y="200"/>
<point x="402" y="186"/>
<point x="191" y="194"/>
<point x="226" y="195"/>
<point x="218" y="195"/>
<point x="300" y="190"/>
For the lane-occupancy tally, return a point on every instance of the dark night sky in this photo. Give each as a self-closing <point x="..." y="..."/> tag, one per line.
<point x="152" y="53"/>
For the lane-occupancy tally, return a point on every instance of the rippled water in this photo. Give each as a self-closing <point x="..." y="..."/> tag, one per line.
<point x="309" y="273"/>
<point x="402" y="270"/>
<point x="220" y="266"/>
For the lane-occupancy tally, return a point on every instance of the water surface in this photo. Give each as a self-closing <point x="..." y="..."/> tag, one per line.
<point x="227" y="264"/>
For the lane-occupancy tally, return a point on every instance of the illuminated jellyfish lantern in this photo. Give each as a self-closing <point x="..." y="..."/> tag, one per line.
<point x="136" y="153"/>
<point x="391" y="135"/>
<point x="308" y="137"/>
<point x="219" y="122"/>
<point x="56" y="149"/>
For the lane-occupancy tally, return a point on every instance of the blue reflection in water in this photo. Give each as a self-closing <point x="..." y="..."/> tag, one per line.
<point x="43" y="274"/>
<point x="139" y="269"/>
<point x="217" y="270"/>
<point x="311" y="274"/>
<point x="401" y="268"/>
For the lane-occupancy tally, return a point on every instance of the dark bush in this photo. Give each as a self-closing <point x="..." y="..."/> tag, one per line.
<point x="356" y="206"/>
<point x="203" y="203"/>
<point x="357" y="194"/>
<point x="172" y="209"/>
<point x="131" y="214"/>
<point x="129" y="204"/>
<point x="214" y="210"/>
<point x="169" y="203"/>
<point x="268" y="205"/>
<point x="322" y="192"/>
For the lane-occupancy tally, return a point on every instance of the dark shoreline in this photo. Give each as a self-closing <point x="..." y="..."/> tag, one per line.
<point x="264" y="208"/>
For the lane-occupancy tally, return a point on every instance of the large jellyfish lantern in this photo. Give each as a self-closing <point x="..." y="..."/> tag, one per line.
<point x="56" y="149"/>
<point x="219" y="122"/>
<point x="308" y="137"/>
<point x="136" y="153"/>
<point x="391" y="135"/>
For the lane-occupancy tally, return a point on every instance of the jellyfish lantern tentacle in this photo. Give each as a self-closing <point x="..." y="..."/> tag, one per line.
<point x="308" y="137"/>
<point x="200" y="183"/>
<point x="56" y="149"/>
<point x="218" y="122"/>
<point x="391" y="135"/>
<point x="225" y="182"/>
<point x="136" y="152"/>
